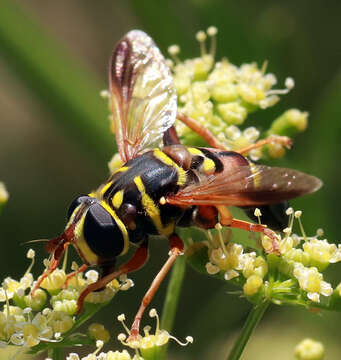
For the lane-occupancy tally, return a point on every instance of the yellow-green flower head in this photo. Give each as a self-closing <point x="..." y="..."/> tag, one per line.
<point x="311" y="281"/>
<point x="3" y="193"/>
<point x="252" y="285"/>
<point x="322" y="253"/>
<point x="8" y="320"/>
<point x="309" y="349"/>
<point x="10" y="286"/>
<point x="98" y="332"/>
<point x="30" y="332"/>
<point x="101" y="296"/>
<point x="149" y="343"/>
<point x="37" y="301"/>
<point x="289" y="123"/>
<point x="110" y="355"/>
<point x="54" y="281"/>
<point x="220" y="93"/>
<point x="225" y="259"/>
<point x="65" y="301"/>
<point x="60" y="322"/>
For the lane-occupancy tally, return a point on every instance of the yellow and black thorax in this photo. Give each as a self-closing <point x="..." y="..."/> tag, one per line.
<point x="129" y="207"/>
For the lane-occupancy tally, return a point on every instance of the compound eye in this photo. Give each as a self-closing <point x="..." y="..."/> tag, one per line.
<point x="101" y="232"/>
<point x="75" y="203"/>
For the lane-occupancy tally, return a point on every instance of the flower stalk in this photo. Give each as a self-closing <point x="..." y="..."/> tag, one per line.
<point x="172" y="298"/>
<point x="252" y="321"/>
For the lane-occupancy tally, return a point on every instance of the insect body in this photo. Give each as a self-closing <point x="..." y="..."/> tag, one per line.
<point x="158" y="189"/>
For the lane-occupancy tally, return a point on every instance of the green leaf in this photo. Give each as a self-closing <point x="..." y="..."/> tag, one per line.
<point x="68" y="88"/>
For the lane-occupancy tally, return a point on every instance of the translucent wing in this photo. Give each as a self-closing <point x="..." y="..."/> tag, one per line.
<point x="246" y="185"/>
<point x="142" y="92"/>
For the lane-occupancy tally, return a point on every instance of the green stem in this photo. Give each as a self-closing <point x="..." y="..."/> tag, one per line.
<point x="172" y="298"/>
<point x="55" y="353"/>
<point x="252" y="321"/>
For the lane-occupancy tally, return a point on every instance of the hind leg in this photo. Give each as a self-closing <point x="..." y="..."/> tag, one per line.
<point x="226" y="219"/>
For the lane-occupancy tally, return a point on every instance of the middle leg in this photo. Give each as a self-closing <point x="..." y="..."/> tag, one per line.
<point x="136" y="262"/>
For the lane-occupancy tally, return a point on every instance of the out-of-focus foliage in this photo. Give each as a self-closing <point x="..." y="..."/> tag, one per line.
<point x="45" y="84"/>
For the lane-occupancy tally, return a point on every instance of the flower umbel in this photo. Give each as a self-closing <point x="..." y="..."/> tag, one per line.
<point x="149" y="343"/>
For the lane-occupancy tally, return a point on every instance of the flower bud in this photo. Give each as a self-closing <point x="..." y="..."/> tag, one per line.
<point x="54" y="282"/>
<point x="3" y="194"/>
<point x="252" y="285"/>
<point x="37" y="301"/>
<point x="232" y="113"/>
<point x="98" y="332"/>
<point x="290" y="123"/>
<point x="309" y="349"/>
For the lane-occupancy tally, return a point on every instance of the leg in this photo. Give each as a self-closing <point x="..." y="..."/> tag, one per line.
<point x="205" y="217"/>
<point x="215" y="143"/>
<point x="202" y="131"/>
<point x="176" y="246"/>
<point x="277" y="139"/>
<point x="226" y="219"/>
<point x="55" y="260"/>
<point x="74" y="273"/>
<point x="136" y="262"/>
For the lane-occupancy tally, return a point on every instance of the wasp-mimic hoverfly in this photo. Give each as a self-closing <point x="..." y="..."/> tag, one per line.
<point x="158" y="189"/>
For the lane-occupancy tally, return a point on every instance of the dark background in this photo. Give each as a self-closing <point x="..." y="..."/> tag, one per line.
<point x="55" y="142"/>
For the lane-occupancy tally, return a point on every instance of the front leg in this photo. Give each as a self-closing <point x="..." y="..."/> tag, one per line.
<point x="136" y="262"/>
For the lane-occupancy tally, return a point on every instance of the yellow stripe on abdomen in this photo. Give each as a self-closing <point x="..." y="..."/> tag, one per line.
<point x="208" y="165"/>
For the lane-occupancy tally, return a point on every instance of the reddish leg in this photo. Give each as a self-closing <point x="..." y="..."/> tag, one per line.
<point x="205" y="217"/>
<point x="177" y="247"/>
<point x="56" y="257"/>
<point x="275" y="139"/>
<point x="74" y="273"/>
<point x="202" y="131"/>
<point x="226" y="219"/>
<point x="136" y="262"/>
<point x="215" y="143"/>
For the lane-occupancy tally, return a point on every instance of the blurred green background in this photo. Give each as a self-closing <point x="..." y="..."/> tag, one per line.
<point x="55" y="141"/>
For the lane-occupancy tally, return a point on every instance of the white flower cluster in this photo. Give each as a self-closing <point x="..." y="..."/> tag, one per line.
<point x="220" y="94"/>
<point x="27" y="319"/>
<point x="230" y="259"/>
<point x="110" y="355"/>
<point x="141" y="344"/>
<point x="149" y="340"/>
<point x="301" y="258"/>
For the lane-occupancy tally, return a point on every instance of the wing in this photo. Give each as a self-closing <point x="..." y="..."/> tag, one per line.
<point x="143" y="96"/>
<point x="247" y="185"/>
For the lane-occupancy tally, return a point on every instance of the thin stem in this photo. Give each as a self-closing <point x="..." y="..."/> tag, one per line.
<point x="172" y="298"/>
<point x="252" y="321"/>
